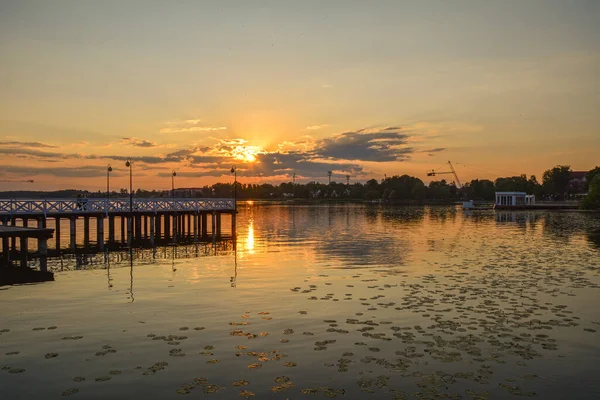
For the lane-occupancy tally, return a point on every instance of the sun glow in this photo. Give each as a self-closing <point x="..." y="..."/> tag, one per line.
<point x="247" y="153"/>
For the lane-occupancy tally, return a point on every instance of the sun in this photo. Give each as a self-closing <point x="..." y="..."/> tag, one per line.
<point x="247" y="153"/>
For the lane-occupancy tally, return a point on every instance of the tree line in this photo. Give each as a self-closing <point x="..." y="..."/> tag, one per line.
<point x="556" y="184"/>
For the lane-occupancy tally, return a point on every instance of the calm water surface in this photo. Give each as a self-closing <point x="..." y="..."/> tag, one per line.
<point x="342" y="301"/>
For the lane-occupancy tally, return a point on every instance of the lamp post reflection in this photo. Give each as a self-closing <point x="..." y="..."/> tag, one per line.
<point x="234" y="172"/>
<point x="233" y="279"/>
<point x="131" y="274"/>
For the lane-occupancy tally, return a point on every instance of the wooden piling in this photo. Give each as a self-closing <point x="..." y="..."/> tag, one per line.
<point x="100" y="232"/>
<point x="57" y="232"/>
<point x="111" y="229"/>
<point x="73" y="231"/>
<point x="86" y="232"/>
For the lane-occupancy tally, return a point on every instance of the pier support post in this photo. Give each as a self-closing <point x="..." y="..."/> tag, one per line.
<point x="111" y="229"/>
<point x="214" y="224"/>
<point x="57" y="232"/>
<point x="158" y="233"/>
<point x="86" y="232"/>
<point x="195" y="227"/>
<point x="146" y="233"/>
<point x="24" y="251"/>
<point x="152" y="217"/>
<point x="73" y="232"/>
<point x="218" y="224"/>
<point x="122" y="218"/>
<point x="189" y="225"/>
<point x="138" y="227"/>
<point x="129" y="229"/>
<point x="43" y="250"/>
<point x="167" y="226"/>
<point x="175" y="226"/>
<point x="204" y="219"/>
<point x="100" y="232"/>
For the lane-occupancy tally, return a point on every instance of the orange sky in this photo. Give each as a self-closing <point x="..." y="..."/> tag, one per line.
<point x="401" y="87"/>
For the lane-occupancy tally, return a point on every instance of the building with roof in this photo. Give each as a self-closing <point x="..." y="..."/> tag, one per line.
<point x="577" y="182"/>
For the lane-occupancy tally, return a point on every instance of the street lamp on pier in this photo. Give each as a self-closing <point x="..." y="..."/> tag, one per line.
<point x="234" y="172"/>
<point x="129" y="164"/>
<point x="108" y="171"/>
<point x="173" y="175"/>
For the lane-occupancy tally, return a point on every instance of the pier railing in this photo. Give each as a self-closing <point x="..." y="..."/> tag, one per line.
<point x="107" y="206"/>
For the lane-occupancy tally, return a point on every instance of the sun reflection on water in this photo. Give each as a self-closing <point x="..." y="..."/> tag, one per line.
<point x="249" y="245"/>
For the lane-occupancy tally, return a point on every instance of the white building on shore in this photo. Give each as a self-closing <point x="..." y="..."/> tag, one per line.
<point x="514" y="199"/>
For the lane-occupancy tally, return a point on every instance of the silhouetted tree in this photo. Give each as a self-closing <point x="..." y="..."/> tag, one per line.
<point x="592" y="200"/>
<point x="556" y="181"/>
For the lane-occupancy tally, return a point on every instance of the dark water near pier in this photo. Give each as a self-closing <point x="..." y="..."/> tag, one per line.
<point x="344" y="301"/>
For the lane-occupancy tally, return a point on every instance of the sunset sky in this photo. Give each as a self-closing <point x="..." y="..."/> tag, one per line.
<point x="362" y="88"/>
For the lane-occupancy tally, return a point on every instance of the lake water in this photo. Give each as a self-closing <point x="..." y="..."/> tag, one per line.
<point x="346" y="301"/>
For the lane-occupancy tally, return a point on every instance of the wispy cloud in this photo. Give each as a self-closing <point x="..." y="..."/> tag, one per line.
<point x="26" y="144"/>
<point x="193" y="129"/>
<point x="190" y="125"/>
<point x="137" y="142"/>
<point x="316" y="127"/>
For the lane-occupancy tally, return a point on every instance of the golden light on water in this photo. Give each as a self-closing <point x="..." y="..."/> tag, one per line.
<point x="249" y="246"/>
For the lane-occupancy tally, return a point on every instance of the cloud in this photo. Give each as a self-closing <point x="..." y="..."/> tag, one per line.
<point x="63" y="172"/>
<point x="193" y="129"/>
<point x="381" y="146"/>
<point x="137" y="142"/>
<point x="436" y="150"/>
<point x="310" y="158"/>
<point x="316" y="127"/>
<point x="27" y="144"/>
<point x="189" y="125"/>
<point x="33" y="153"/>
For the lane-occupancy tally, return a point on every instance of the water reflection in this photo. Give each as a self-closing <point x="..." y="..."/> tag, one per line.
<point x="131" y="275"/>
<point x="484" y="307"/>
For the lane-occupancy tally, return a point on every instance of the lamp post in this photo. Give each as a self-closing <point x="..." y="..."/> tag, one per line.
<point x="234" y="172"/>
<point x="129" y="165"/>
<point x="108" y="171"/>
<point x="173" y="175"/>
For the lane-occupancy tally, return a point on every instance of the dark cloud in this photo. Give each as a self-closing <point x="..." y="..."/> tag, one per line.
<point x="189" y="152"/>
<point x="63" y="172"/>
<point x="377" y="146"/>
<point x="392" y="128"/>
<point x="27" y="144"/>
<point x="33" y="153"/>
<point x="436" y="150"/>
<point x="137" y="142"/>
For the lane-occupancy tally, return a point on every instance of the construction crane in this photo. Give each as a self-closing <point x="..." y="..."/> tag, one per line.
<point x="17" y="180"/>
<point x="434" y="172"/>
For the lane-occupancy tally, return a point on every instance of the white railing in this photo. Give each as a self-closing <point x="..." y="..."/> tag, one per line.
<point x="107" y="206"/>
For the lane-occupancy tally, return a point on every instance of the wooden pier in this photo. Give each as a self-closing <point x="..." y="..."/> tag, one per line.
<point x="146" y="221"/>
